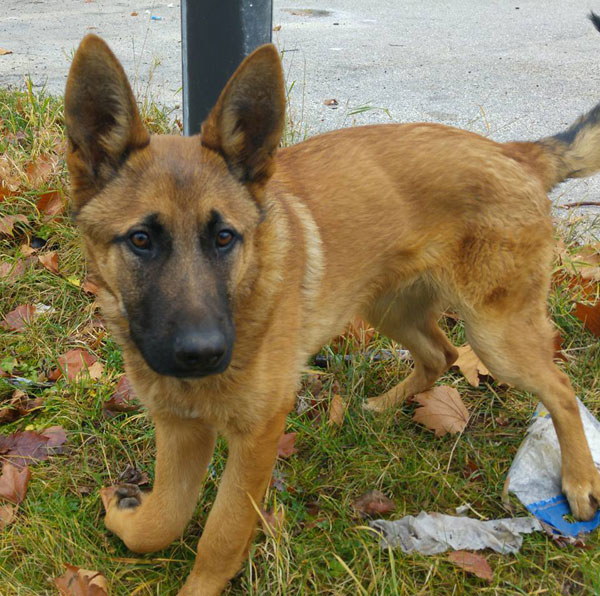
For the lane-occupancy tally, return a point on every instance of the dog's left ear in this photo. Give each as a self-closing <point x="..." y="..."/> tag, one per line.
<point x="102" y="120"/>
<point x="245" y="125"/>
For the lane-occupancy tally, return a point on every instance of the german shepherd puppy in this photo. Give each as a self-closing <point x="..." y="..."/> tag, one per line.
<point x="224" y="262"/>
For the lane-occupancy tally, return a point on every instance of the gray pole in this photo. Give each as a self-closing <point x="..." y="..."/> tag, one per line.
<point x="217" y="35"/>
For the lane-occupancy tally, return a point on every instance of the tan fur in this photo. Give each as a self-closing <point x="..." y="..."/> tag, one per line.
<point x="393" y="222"/>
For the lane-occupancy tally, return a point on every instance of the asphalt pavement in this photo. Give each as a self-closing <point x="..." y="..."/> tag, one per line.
<point x="511" y="70"/>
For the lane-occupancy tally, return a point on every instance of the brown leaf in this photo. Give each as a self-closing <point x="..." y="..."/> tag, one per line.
<point x="330" y="102"/>
<point x="51" y="203"/>
<point x="131" y="475"/>
<point x="472" y="563"/>
<point x="358" y="331"/>
<point x="7" y="223"/>
<point x="20" y="404"/>
<point x="89" y="287"/>
<point x="272" y="521"/>
<point x="373" y="503"/>
<point x="4" y="52"/>
<point x="443" y="410"/>
<point x="81" y="582"/>
<point x="95" y="370"/>
<point x="50" y="261"/>
<point x="337" y="410"/>
<point x="39" y="171"/>
<point x="122" y="400"/>
<point x="72" y="364"/>
<point x="286" y="447"/>
<point x="277" y="28"/>
<point x="23" y="447"/>
<point x="7" y="515"/>
<point x="13" y="482"/>
<point x="20" y="317"/>
<point x="12" y="271"/>
<point x="558" y="348"/>
<point x="470" y="366"/>
<point x="589" y="316"/>
<point x="134" y="14"/>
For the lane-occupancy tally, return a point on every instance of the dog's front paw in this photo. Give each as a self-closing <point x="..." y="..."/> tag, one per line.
<point x="583" y="494"/>
<point x="121" y="503"/>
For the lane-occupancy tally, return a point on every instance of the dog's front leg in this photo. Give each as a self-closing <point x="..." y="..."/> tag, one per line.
<point x="230" y="526"/>
<point x="150" y="522"/>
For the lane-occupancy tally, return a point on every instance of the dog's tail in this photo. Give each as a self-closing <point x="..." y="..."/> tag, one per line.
<point x="573" y="153"/>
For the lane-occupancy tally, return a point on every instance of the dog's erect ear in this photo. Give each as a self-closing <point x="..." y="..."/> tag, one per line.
<point x="102" y="120"/>
<point x="245" y="125"/>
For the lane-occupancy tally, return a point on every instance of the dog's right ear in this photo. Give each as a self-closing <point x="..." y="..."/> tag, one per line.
<point x="102" y="120"/>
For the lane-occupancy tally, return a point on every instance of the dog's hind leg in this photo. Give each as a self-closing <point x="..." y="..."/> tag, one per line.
<point x="150" y="522"/>
<point x="411" y="320"/>
<point x="518" y="348"/>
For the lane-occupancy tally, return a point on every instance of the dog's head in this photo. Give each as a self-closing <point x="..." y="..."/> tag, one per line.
<point x="170" y="223"/>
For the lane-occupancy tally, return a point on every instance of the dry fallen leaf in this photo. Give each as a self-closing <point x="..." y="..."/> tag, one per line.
<point x="81" y="582"/>
<point x="337" y="410"/>
<point x="41" y="169"/>
<point x="470" y="366"/>
<point x="51" y="203"/>
<point x="286" y="446"/>
<point x="122" y="400"/>
<point x="277" y="28"/>
<point x="472" y="563"/>
<point x="4" y="52"/>
<point x="589" y="316"/>
<point x="7" y="515"/>
<point x="23" y="447"/>
<point x="373" y="503"/>
<point x="10" y="272"/>
<point x="7" y="223"/>
<point x="443" y="410"/>
<point x="50" y="261"/>
<point x="89" y="287"/>
<point x="331" y="102"/>
<point x="72" y="364"/>
<point x="13" y="483"/>
<point x="19" y="318"/>
<point x="272" y="521"/>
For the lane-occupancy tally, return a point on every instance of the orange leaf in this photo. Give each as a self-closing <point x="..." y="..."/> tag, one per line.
<point x="7" y="515"/>
<point x="71" y="364"/>
<point x="286" y="446"/>
<point x="589" y="316"/>
<point x="18" y="318"/>
<point x="41" y="169"/>
<point x="470" y="366"/>
<point x="7" y="223"/>
<point x="13" y="483"/>
<point x="50" y="261"/>
<point x="12" y="271"/>
<point x="89" y="287"/>
<point x="51" y="203"/>
<point x="472" y="563"/>
<point x="373" y="503"/>
<point x="81" y="582"/>
<point x="443" y="410"/>
<point x="337" y="410"/>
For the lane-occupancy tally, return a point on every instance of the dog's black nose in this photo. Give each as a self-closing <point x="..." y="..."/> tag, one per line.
<point x="199" y="351"/>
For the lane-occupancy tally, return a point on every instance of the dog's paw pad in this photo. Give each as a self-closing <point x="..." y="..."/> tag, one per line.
<point x="128" y="496"/>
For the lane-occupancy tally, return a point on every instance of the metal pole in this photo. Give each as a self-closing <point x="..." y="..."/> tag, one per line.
<point x="217" y="35"/>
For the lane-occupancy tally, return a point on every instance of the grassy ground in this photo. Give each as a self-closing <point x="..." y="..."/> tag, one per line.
<point x="323" y="548"/>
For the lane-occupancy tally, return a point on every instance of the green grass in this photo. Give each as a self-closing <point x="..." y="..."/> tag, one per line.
<point x="327" y="551"/>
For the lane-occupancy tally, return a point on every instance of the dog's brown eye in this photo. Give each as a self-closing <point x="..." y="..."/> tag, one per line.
<point x="140" y="240"/>
<point x="224" y="238"/>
